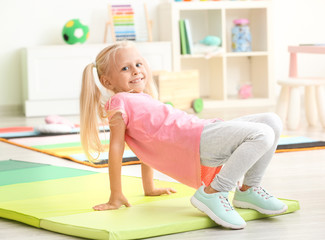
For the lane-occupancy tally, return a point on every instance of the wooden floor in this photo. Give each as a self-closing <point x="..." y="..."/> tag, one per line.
<point x="295" y="175"/>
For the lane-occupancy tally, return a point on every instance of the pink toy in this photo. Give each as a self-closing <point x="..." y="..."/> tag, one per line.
<point x="55" y="119"/>
<point x="245" y="91"/>
<point x="55" y="125"/>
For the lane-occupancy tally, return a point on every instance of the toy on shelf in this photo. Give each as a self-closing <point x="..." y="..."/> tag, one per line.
<point x="179" y="89"/>
<point x="211" y="41"/>
<point x="122" y="23"/>
<point x="241" y="36"/>
<point x="75" y="32"/>
<point x="245" y="91"/>
<point x="208" y="47"/>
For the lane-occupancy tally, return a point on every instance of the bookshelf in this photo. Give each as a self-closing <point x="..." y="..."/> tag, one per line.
<point x="222" y="74"/>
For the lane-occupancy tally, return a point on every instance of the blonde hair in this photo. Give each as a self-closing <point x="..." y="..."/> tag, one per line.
<point x="93" y="100"/>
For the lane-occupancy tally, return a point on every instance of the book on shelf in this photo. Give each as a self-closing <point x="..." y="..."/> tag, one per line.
<point x="182" y="35"/>
<point x="188" y="35"/>
<point x="185" y="34"/>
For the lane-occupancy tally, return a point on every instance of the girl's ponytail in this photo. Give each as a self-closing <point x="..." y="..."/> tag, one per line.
<point x="90" y="108"/>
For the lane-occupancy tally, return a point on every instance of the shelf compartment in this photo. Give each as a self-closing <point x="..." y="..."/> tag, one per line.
<point x="251" y="70"/>
<point x="203" y="23"/>
<point x="211" y="74"/>
<point x="222" y="74"/>
<point x="258" y="27"/>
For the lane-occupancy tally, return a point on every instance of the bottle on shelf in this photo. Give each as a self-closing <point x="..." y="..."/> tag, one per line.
<point x="241" y="36"/>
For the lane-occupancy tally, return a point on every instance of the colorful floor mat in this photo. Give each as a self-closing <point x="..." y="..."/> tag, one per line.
<point x="68" y="146"/>
<point x="60" y="199"/>
<point x="298" y="143"/>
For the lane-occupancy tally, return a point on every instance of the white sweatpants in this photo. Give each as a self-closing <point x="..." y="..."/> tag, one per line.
<point x="244" y="146"/>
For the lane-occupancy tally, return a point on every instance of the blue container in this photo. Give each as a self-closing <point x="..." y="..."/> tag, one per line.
<point x="241" y="36"/>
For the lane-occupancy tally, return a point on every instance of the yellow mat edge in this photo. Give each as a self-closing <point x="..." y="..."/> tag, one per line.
<point x="200" y="223"/>
<point x="16" y="216"/>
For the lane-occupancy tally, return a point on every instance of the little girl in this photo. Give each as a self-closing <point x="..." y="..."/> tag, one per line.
<point x="174" y="142"/>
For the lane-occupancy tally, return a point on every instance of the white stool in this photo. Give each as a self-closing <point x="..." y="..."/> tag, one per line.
<point x="288" y="107"/>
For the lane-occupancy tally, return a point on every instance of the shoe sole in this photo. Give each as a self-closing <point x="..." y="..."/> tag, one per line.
<point x="247" y="205"/>
<point x="203" y="208"/>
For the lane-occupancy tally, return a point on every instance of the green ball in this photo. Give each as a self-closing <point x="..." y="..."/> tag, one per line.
<point x="169" y="103"/>
<point x="198" y="105"/>
<point x="75" y="32"/>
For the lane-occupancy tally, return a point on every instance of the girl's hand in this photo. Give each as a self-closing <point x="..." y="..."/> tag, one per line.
<point x="113" y="203"/>
<point x="160" y="191"/>
<point x="148" y="183"/>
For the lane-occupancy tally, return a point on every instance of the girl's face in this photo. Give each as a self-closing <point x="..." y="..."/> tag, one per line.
<point x="127" y="72"/>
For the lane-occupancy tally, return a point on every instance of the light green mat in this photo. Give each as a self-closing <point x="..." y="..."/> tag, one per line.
<point x="14" y="165"/>
<point x="12" y="172"/>
<point x="141" y="221"/>
<point x="64" y="205"/>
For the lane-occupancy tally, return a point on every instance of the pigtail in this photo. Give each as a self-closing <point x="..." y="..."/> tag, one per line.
<point x="90" y="109"/>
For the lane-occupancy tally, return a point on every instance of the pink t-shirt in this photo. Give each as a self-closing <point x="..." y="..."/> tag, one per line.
<point x="161" y="136"/>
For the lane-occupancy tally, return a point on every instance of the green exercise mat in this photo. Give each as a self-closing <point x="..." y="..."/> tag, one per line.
<point x="13" y="172"/>
<point x="14" y="164"/>
<point x="141" y="221"/>
<point x="64" y="205"/>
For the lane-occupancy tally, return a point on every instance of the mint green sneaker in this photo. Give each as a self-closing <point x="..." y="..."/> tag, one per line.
<point x="218" y="208"/>
<point x="258" y="199"/>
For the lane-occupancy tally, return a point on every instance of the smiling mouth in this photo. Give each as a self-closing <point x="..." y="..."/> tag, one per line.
<point x="136" y="80"/>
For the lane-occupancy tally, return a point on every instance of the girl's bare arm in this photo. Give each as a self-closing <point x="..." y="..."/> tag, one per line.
<point x="116" y="149"/>
<point x="148" y="184"/>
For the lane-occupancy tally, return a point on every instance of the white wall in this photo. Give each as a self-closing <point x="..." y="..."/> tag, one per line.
<point x="298" y="22"/>
<point x="25" y="23"/>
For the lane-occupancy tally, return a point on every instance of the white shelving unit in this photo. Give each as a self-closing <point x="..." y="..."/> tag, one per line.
<point x="52" y="74"/>
<point x="223" y="74"/>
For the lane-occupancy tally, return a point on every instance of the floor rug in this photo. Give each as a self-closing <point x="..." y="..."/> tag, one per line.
<point x="62" y="201"/>
<point x="68" y="146"/>
<point x="298" y="143"/>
